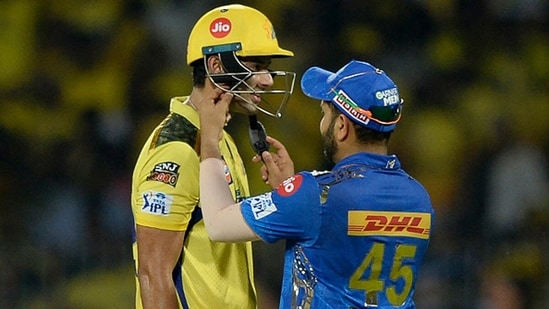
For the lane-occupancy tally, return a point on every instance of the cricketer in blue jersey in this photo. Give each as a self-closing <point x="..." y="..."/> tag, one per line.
<point x="356" y="235"/>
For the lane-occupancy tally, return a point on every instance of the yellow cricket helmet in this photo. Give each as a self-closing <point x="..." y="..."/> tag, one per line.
<point x="243" y="29"/>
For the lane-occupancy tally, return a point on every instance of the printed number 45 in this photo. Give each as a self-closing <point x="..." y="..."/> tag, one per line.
<point x="374" y="262"/>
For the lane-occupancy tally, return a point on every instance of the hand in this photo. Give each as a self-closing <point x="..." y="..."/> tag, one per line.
<point x="278" y="166"/>
<point x="214" y="112"/>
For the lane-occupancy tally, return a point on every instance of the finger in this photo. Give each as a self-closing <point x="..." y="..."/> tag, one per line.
<point x="224" y="100"/>
<point x="212" y="97"/>
<point x="264" y="174"/>
<point x="280" y="148"/>
<point x="269" y="162"/>
<point x="215" y="95"/>
<point x="275" y="143"/>
<point x="274" y="173"/>
<point x="256" y="159"/>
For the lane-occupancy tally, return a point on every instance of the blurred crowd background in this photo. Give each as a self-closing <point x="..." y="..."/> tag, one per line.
<point x="82" y="83"/>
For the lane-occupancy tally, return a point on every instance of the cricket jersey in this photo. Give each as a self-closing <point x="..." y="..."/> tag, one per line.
<point x="355" y="236"/>
<point x="165" y="195"/>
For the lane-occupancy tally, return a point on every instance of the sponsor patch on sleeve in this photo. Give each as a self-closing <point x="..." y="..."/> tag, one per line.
<point x="290" y="185"/>
<point x="262" y="206"/>
<point x="157" y="203"/>
<point x="165" y="172"/>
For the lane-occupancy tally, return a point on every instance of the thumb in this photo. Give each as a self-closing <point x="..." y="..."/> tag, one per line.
<point x="225" y="99"/>
<point x="268" y="160"/>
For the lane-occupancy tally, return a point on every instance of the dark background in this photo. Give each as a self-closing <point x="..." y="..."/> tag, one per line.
<point x="82" y="83"/>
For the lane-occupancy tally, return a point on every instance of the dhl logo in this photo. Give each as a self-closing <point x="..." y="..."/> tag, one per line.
<point x="369" y="223"/>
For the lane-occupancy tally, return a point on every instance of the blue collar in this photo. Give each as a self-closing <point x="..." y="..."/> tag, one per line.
<point x="389" y="162"/>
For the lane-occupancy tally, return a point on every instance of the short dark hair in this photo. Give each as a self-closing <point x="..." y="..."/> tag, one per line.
<point x="364" y="135"/>
<point x="199" y="73"/>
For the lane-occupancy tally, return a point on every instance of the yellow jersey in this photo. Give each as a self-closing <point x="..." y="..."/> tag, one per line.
<point x="165" y="195"/>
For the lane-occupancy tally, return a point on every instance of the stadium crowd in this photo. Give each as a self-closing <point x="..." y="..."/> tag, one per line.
<point x="82" y="83"/>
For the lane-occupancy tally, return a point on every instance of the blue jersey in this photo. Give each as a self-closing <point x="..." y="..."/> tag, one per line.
<point x="355" y="236"/>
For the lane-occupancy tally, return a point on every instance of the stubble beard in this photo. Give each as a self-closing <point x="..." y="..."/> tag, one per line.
<point x="330" y="146"/>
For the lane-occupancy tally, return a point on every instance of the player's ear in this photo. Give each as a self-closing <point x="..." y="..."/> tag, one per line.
<point x="214" y="64"/>
<point x="342" y="127"/>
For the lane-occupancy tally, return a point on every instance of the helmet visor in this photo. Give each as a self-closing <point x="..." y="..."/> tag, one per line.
<point x="270" y="101"/>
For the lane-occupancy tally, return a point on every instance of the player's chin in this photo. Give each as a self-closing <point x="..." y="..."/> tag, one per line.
<point x="245" y="108"/>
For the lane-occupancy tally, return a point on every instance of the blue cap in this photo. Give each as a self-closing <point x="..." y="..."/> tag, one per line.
<point x="359" y="90"/>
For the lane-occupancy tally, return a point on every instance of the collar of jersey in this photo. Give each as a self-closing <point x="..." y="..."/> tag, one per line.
<point x="178" y="106"/>
<point x="375" y="160"/>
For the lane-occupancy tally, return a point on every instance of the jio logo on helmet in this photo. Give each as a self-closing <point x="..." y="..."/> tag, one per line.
<point x="220" y="27"/>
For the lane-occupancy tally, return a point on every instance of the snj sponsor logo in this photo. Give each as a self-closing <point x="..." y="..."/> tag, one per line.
<point x="368" y="223"/>
<point x="165" y="172"/>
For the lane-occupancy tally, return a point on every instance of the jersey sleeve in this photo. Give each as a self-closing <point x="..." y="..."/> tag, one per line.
<point x="292" y="211"/>
<point x="166" y="190"/>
